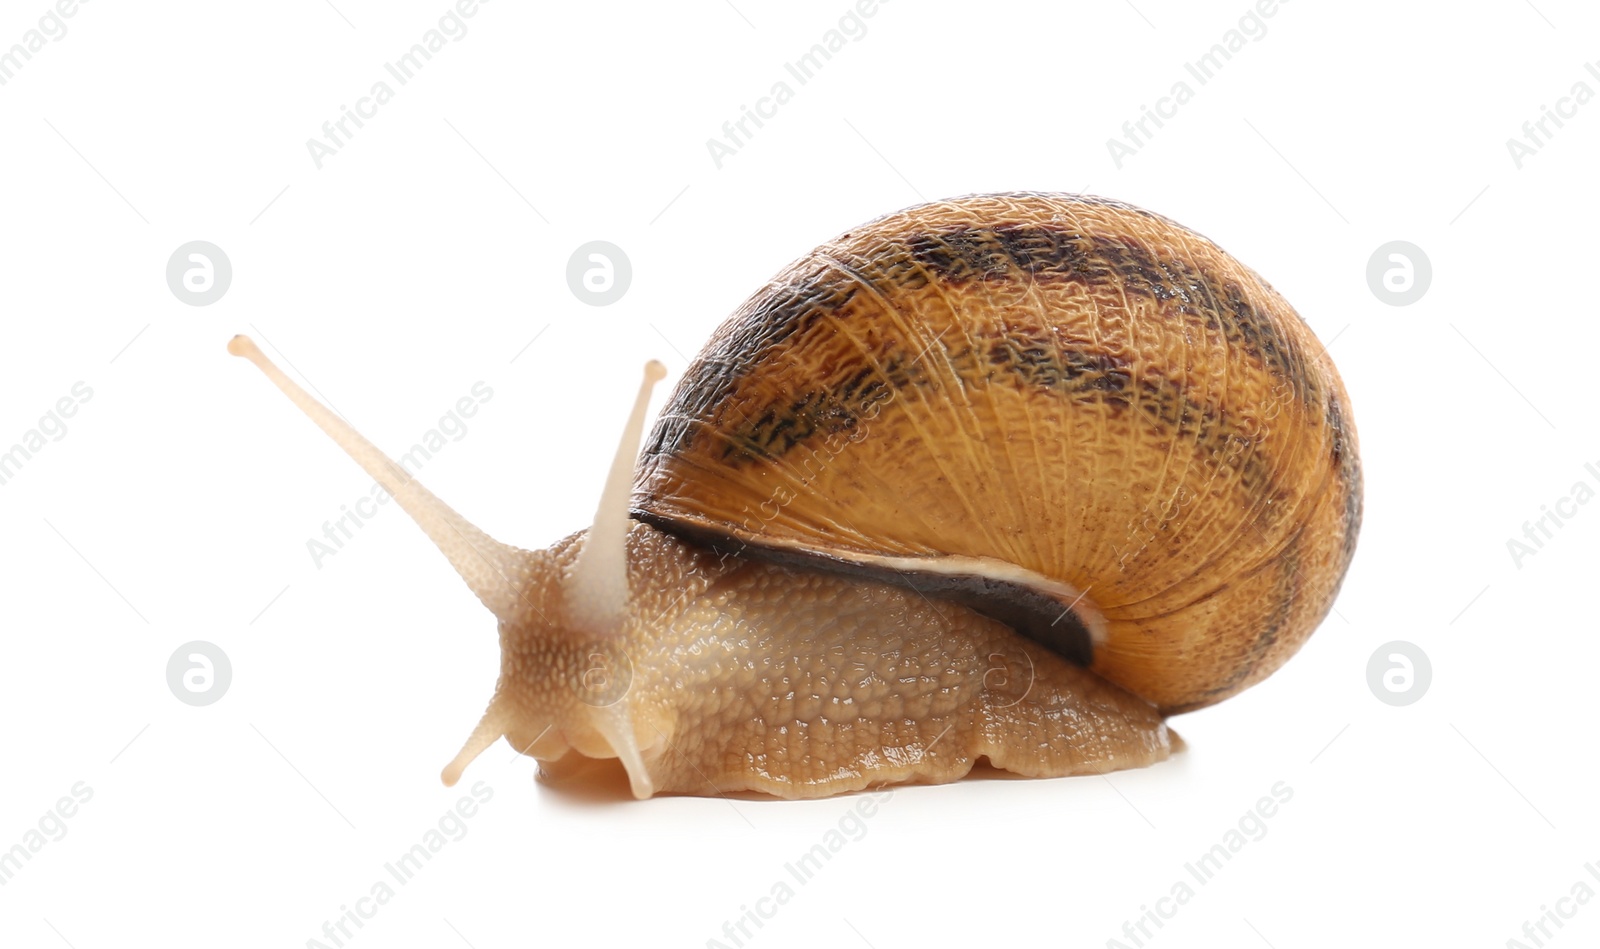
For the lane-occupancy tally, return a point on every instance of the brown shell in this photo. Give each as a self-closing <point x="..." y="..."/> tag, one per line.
<point x="1074" y="386"/>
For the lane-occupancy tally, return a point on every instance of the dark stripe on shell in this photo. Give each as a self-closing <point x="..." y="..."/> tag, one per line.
<point x="1285" y="596"/>
<point x="1349" y="466"/>
<point x="1052" y="253"/>
<point x="1038" y="616"/>
<point x="1081" y="376"/>
<point x="820" y="289"/>
<point x="759" y="334"/>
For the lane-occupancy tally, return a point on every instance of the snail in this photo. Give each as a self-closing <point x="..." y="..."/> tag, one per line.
<point x="1007" y="478"/>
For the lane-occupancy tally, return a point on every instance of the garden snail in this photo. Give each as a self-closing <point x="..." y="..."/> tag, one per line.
<point x="1008" y="477"/>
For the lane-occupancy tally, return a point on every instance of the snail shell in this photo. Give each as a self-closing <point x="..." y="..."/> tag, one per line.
<point x="1069" y="413"/>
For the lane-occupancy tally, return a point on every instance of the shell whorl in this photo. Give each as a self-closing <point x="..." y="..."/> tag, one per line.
<point x="1058" y="394"/>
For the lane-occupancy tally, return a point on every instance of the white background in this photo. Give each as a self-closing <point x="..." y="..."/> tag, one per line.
<point x="431" y="249"/>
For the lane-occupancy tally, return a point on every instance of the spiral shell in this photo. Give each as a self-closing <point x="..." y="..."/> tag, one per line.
<point x="1073" y="414"/>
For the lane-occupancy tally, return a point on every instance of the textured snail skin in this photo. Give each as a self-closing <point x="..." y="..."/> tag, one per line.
<point x="1076" y="387"/>
<point x="738" y="675"/>
<point x="1007" y="477"/>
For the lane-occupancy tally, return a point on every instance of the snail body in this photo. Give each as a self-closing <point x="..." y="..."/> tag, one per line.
<point x="1007" y="477"/>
